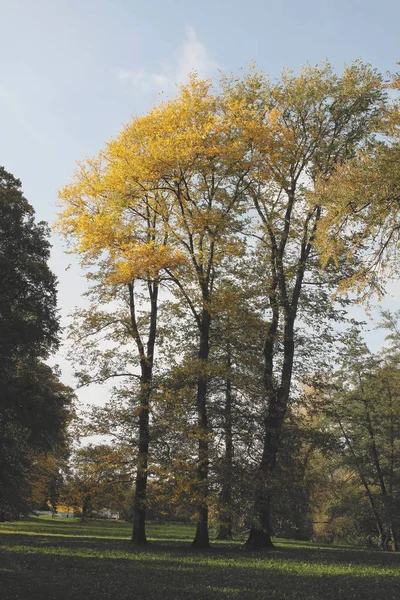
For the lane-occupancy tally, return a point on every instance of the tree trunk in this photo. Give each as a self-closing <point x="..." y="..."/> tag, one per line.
<point x="225" y="528"/>
<point x="393" y="539"/>
<point x="146" y="366"/>
<point x="85" y="507"/>
<point x="225" y="499"/>
<point x="378" y="521"/>
<point x="260" y="532"/>
<point x="139" y="503"/>
<point x="225" y="513"/>
<point x="259" y="538"/>
<point x="278" y="395"/>
<point x="201" y="539"/>
<point x="139" y="515"/>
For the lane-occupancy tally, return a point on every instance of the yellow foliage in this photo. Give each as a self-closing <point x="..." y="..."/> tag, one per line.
<point x="158" y="192"/>
<point x="169" y="192"/>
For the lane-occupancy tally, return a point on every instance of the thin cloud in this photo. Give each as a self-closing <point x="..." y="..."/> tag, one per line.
<point x="190" y="56"/>
<point x="10" y="102"/>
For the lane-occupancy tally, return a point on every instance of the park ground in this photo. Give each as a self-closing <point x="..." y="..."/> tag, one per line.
<point x="62" y="559"/>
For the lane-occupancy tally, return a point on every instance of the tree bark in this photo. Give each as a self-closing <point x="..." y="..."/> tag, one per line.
<point x="201" y="539"/>
<point x="139" y="503"/>
<point x="225" y="499"/>
<point x="85" y="507"/>
<point x="393" y="539"/>
<point x="278" y="395"/>
<point x="146" y="366"/>
<point x="261" y="531"/>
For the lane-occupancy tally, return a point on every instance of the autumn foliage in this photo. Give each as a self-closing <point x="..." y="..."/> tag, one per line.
<point x="219" y="198"/>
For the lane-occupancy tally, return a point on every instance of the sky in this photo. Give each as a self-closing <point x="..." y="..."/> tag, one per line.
<point x="72" y="72"/>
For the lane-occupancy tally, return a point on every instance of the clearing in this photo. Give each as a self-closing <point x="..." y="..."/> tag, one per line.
<point x="62" y="559"/>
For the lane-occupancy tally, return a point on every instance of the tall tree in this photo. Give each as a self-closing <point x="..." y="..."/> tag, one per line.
<point x="217" y="171"/>
<point x="123" y="235"/>
<point x="34" y="406"/>
<point x="187" y="153"/>
<point x="180" y="158"/>
<point x="235" y="387"/>
<point x="299" y="129"/>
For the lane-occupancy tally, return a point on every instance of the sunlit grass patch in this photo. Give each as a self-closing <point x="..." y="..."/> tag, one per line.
<point x="95" y="560"/>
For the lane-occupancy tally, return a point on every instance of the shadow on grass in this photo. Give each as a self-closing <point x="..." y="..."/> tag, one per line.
<point x="48" y="567"/>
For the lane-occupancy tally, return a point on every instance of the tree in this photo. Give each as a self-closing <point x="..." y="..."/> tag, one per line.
<point x="46" y="479"/>
<point x="35" y="406"/>
<point x="100" y="477"/>
<point x="224" y="173"/>
<point x="112" y="343"/>
<point x="179" y="159"/>
<point x="127" y="244"/>
<point x="235" y="384"/>
<point x="363" y="404"/>
<point x="299" y="130"/>
<point x="28" y="318"/>
<point x="35" y="413"/>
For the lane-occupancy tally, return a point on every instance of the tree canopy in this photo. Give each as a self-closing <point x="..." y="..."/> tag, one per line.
<point x="35" y="405"/>
<point x="222" y="201"/>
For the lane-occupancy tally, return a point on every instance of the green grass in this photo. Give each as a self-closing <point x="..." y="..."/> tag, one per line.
<point x="60" y="559"/>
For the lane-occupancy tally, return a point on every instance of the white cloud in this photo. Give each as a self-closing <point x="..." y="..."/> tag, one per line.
<point x="142" y="79"/>
<point x="190" y="56"/>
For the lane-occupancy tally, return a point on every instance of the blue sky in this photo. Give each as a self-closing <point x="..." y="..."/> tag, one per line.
<point x="73" y="71"/>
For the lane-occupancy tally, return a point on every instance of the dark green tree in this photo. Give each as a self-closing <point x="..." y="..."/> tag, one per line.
<point x="34" y="406"/>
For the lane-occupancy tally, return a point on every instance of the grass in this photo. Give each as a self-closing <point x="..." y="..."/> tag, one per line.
<point x="60" y="559"/>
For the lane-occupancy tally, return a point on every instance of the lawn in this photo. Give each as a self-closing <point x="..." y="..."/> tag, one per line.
<point x="45" y="559"/>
